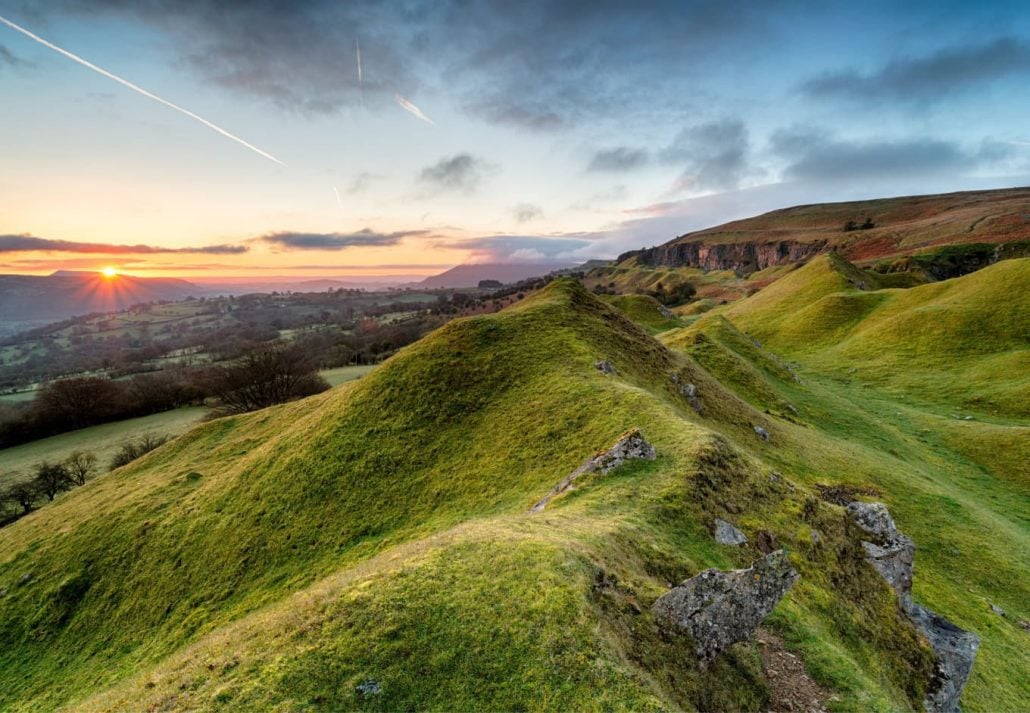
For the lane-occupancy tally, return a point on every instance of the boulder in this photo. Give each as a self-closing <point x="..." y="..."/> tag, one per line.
<point x="605" y="367"/>
<point x="762" y="433"/>
<point x="719" y="608"/>
<point x="893" y="556"/>
<point x="727" y="534"/>
<point x="689" y="392"/>
<point x="630" y="446"/>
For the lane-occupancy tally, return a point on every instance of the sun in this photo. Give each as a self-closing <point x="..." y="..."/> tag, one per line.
<point x="109" y="272"/>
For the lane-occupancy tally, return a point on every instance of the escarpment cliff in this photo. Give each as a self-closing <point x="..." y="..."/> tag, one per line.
<point x="742" y="258"/>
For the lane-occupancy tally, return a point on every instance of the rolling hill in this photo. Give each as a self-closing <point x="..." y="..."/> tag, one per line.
<point x="933" y="237"/>
<point x="371" y="548"/>
<point x="469" y="275"/>
<point x="29" y="300"/>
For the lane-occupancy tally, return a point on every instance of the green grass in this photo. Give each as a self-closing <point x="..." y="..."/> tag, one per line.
<point x="343" y="374"/>
<point x="380" y="531"/>
<point x="16" y="463"/>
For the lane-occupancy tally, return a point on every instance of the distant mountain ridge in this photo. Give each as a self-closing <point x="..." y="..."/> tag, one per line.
<point x="27" y="299"/>
<point x="469" y="275"/>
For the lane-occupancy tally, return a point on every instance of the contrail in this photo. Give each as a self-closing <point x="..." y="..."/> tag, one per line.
<point x="337" y="192"/>
<point x="412" y="109"/>
<point x="141" y="90"/>
<point x="361" y="87"/>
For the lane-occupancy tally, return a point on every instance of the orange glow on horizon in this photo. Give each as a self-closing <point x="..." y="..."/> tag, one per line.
<point x="109" y="272"/>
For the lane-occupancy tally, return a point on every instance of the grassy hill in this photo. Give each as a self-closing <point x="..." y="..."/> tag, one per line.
<point x="379" y="533"/>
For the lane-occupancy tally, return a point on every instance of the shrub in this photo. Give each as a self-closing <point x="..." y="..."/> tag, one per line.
<point x="131" y="450"/>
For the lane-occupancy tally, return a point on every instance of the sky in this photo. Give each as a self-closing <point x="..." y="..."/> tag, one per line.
<point x="323" y="137"/>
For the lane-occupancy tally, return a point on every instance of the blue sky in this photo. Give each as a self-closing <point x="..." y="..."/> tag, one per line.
<point x="559" y="130"/>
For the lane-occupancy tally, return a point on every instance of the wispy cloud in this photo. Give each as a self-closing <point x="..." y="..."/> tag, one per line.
<point x="337" y="241"/>
<point x="525" y="212"/>
<point x="31" y="243"/>
<point x="518" y="248"/>
<point x="929" y="77"/>
<point x="618" y="160"/>
<point x="462" y="172"/>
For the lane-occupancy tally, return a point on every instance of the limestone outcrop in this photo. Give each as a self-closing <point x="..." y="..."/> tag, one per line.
<point x="718" y="608"/>
<point x="893" y="556"/>
<point x="631" y="445"/>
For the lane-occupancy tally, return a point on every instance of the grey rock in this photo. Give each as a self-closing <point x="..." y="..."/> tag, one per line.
<point x="997" y="610"/>
<point x="894" y="562"/>
<point x="605" y="367"/>
<point x="727" y="534"/>
<point x="666" y="312"/>
<point x="893" y="556"/>
<point x="874" y="518"/>
<point x="1024" y="625"/>
<point x="956" y="650"/>
<point x="3" y="592"/>
<point x="630" y="446"/>
<point x="719" y="608"/>
<point x="369" y="687"/>
<point x="25" y="578"/>
<point x="762" y="433"/>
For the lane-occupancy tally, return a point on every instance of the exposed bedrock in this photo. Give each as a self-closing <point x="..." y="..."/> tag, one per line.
<point x="743" y="258"/>
<point x="893" y="556"/>
<point x="718" y="608"/>
<point x="630" y="446"/>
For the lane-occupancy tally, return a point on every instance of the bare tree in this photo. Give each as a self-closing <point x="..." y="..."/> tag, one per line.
<point x="80" y="465"/>
<point x="264" y="377"/>
<point x="24" y="494"/>
<point x="52" y="479"/>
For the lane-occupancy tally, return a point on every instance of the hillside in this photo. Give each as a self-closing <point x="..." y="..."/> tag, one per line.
<point x="938" y="236"/>
<point x="27" y="300"/>
<point x="370" y="548"/>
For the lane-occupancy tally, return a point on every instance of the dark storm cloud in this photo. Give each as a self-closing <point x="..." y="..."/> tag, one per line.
<point x="462" y="172"/>
<point x="814" y="155"/>
<point x="926" y="78"/>
<point x="618" y="159"/>
<point x="31" y="243"/>
<point x="713" y="155"/>
<point x="337" y="241"/>
<point x="538" y="65"/>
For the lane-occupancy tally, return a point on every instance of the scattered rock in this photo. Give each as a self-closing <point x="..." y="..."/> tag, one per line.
<point x="762" y="433"/>
<point x="630" y="446"/>
<point x="1024" y="625"/>
<point x="727" y="534"/>
<point x="689" y="392"/>
<point x="793" y="409"/>
<point x="893" y="557"/>
<point x="816" y="537"/>
<point x="997" y="610"/>
<point x="369" y="687"/>
<point x="605" y="367"/>
<point x="665" y="311"/>
<point x="775" y="476"/>
<point x="3" y="592"/>
<point x="720" y="608"/>
<point x="25" y="578"/>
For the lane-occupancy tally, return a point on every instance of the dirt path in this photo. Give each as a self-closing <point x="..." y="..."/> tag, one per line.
<point x="790" y="686"/>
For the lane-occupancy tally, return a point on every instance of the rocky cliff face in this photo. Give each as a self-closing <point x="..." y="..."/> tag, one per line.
<point x="742" y="258"/>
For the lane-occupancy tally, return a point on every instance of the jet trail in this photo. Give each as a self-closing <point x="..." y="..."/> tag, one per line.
<point x="337" y="192"/>
<point x="141" y="90"/>
<point x="361" y="86"/>
<point x="412" y="109"/>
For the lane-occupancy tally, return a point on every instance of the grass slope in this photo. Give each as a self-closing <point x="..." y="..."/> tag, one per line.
<point x="379" y="531"/>
<point x="962" y="342"/>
